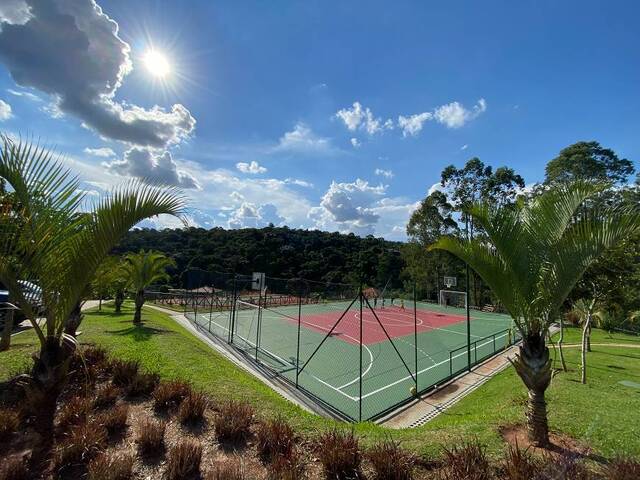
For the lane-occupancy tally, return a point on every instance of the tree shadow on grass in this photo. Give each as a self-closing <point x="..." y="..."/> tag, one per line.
<point x="139" y="333"/>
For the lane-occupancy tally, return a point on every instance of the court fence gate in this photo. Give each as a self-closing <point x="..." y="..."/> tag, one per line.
<point x="355" y="353"/>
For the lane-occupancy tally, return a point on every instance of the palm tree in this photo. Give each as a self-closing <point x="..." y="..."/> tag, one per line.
<point x="532" y="256"/>
<point x="143" y="269"/>
<point x="584" y="310"/>
<point x="59" y="244"/>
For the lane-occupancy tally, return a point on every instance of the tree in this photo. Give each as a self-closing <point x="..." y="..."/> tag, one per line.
<point x="101" y="285"/>
<point x="143" y="269"/>
<point x="588" y="161"/>
<point x="584" y="310"/>
<point x="59" y="248"/>
<point x="533" y="254"/>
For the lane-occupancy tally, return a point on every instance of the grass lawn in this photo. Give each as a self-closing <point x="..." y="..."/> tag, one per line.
<point x="603" y="414"/>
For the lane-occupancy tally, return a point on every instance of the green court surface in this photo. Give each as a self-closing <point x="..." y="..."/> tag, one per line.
<point x="329" y="367"/>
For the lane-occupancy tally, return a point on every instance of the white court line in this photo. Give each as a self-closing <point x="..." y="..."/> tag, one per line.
<point x="425" y="369"/>
<point x="445" y="329"/>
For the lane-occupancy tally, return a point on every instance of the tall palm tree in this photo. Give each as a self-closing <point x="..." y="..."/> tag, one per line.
<point x="143" y="269"/>
<point x="532" y="256"/>
<point x="59" y="244"/>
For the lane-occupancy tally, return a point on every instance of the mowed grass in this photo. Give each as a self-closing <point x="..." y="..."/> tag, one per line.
<point x="603" y="414"/>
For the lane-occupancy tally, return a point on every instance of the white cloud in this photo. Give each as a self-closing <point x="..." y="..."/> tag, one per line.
<point x="384" y="173"/>
<point x="5" y="111"/>
<point x="24" y="94"/>
<point x="355" y="142"/>
<point x="350" y="203"/>
<point x="455" y="115"/>
<point x="359" y="118"/>
<point x="298" y="182"/>
<point x="412" y="125"/>
<point x="252" y="168"/>
<point x="452" y="115"/>
<point x="14" y="12"/>
<point x="250" y="215"/>
<point x="464" y="147"/>
<point x="302" y="139"/>
<point x="71" y="51"/>
<point x="152" y="166"/>
<point x="100" y="152"/>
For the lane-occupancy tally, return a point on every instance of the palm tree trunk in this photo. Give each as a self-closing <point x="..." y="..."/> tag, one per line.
<point x="45" y="384"/>
<point x="560" y="340"/>
<point x="73" y="322"/>
<point x="589" y="338"/>
<point x="5" y="341"/>
<point x="585" y="337"/>
<point x="137" y="316"/>
<point x="119" y="299"/>
<point x="533" y="365"/>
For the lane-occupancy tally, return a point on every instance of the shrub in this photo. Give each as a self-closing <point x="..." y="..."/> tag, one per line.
<point x="339" y="454"/>
<point x="466" y="462"/>
<point x="226" y="471"/>
<point x="115" y="419"/>
<point x="106" y="396"/>
<point x="192" y="408"/>
<point x="142" y="384"/>
<point x="81" y="444"/>
<point x="124" y="372"/>
<point x="563" y="467"/>
<point x="233" y="422"/>
<point x="150" y="436"/>
<point x="519" y="464"/>
<point x="184" y="460"/>
<point x="9" y="422"/>
<point x="274" y="437"/>
<point x="74" y="412"/>
<point x="169" y="394"/>
<point x="390" y="462"/>
<point x="14" y="469"/>
<point x="111" y="467"/>
<point x="95" y="356"/>
<point x="290" y="467"/>
<point x="622" y="469"/>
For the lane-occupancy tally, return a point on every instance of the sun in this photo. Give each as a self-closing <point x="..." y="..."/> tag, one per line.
<point x="157" y="63"/>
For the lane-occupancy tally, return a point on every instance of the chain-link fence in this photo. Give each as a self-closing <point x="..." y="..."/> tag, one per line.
<point x="358" y="351"/>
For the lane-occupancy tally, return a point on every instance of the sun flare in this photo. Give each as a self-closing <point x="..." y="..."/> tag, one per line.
<point x="157" y="63"/>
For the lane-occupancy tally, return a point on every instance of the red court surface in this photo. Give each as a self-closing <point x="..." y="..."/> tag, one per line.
<point x="396" y="321"/>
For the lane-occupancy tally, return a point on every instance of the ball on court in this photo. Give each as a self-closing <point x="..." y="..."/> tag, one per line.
<point x="413" y="391"/>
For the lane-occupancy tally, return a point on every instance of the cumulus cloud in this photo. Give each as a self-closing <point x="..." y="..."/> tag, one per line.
<point x="302" y="139"/>
<point x="358" y="117"/>
<point x="455" y="115"/>
<point x="71" y="50"/>
<point x="384" y="173"/>
<point x="252" y="168"/>
<point x="152" y="166"/>
<point x="105" y="152"/>
<point x="5" y="111"/>
<point x="350" y="202"/>
<point x="355" y="142"/>
<point x="412" y="125"/>
<point x="15" y="12"/>
<point x="452" y="115"/>
<point x="250" y="215"/>
<point x="298" y="182"/>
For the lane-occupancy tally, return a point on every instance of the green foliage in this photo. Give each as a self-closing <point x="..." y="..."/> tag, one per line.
<point x="145" y="268"/>
<point x="588" y="161"/>
<point x="278" y="251"/>
<point x="536" y="252"/>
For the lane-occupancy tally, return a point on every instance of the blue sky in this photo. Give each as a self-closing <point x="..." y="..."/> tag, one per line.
<point x="316" y="114"/>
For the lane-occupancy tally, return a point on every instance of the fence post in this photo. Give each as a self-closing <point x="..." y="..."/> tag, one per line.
<point x="415" y="332"/>
<point x="360" y="379"/>
<point x="494" y="342"/>
<point x="298" y="342"/>
<point x="213" y="290"/>
<point x="259" y="320"/>
<point x="450" y="364"/>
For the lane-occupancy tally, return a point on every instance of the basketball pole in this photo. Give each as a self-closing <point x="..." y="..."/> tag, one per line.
<point x="360" y="379"/>
<point x="467" y="302"/>
<point x="415" y="332"/>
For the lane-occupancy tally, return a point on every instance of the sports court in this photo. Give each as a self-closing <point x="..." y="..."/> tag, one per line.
<point x="320" y="344"/>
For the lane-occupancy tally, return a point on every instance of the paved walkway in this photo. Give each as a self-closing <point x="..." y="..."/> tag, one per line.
<point x="434" y="403"/>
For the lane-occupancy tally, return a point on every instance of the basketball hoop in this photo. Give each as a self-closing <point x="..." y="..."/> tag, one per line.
<point x="450" y="281"/>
